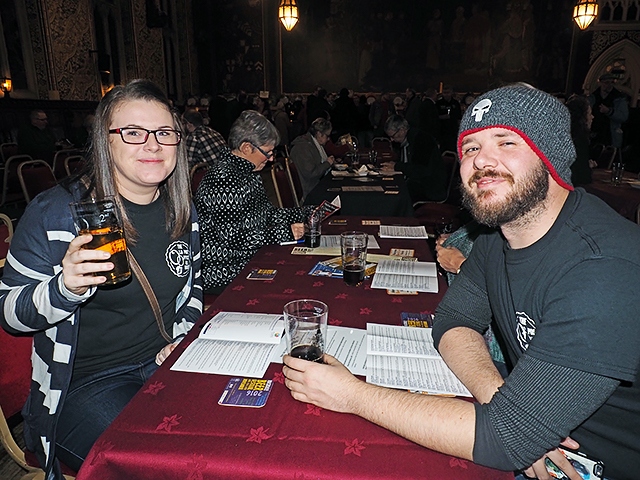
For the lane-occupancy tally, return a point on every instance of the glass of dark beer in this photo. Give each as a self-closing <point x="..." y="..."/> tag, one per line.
<point x="354" y="257"/>
<point x="101" y="219"/>
<point x="305" y="323"/>
<point x="312" y="231"/>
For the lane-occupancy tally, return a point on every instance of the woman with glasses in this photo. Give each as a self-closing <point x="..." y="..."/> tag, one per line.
<point x="96" y="345"/>
<point x="236" y="218"/>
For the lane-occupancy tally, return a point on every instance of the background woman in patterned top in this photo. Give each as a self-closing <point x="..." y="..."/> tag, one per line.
<point x="236" y="217"/>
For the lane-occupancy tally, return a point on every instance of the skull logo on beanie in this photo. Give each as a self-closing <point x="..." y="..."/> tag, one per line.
<point x="539" y="118"/>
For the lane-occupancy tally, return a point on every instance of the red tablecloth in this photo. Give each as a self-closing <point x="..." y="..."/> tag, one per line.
<point x="623" y="198"/>
<point x="174" y="428"/>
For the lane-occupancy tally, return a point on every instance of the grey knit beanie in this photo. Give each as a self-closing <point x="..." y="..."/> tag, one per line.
<point x="539" y="118"/>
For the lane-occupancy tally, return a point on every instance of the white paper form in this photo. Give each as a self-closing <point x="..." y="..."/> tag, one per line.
<point x="349" y="345"/>
<point x="397" y="340"/>
<point x="246" y="327"/>
<point x="225" y="358"/>
<point x="333" y="241"/>
<point x="414" y="276"/>
<point x="425" y="374"/>
<point x="399" y="231"/>
<point x="405" y="357"/>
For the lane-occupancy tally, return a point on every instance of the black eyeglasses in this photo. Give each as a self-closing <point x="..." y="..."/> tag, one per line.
<point x="268" y="155"/>
<point x="393" y="135"/>
<point x="138" y="136"/>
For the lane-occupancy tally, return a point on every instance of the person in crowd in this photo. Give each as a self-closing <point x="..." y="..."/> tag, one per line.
<point x="380" y="111"/>
<point x="363" y="127"/>
<point x="610" y="110"/>
<point x="218" y="115"/>
<point x="203" y="143"/>
<point x="311" y="101"/>
<point x="95" y="346"/>
<point x="345" y="114"/>
<point x="316" y="104"/>
<point x="236" y="217"/>
<point x="309" y="156"/>
<point x="297" y="117"/>
<point x="419" y="160"/>
<point x="399" y="106"/>
<point x="429" y="119"/>
<point x="36" y="138"/>
<point x="581" y="118"/>
<point x="237" y="105"/>
<point x="449" y="113"/>
<point x="559" y="277"/>
<point x="281" y="119"/>
<point x="412" y="111"/>
<point x="262" y="106"/>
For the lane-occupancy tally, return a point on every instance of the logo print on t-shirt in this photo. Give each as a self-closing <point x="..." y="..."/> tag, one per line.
<point x="178" y="258"/>
<point x="525" y="329"/>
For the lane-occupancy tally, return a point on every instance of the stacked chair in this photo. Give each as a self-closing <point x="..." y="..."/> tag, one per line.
<point x="35" y="176"/>
<point x="11" y="190"/>
<point x="447" y="211"/>
<point x="197" y="173"/>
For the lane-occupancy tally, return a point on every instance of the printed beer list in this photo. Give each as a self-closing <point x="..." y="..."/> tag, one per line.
<point x="405" y="357"/>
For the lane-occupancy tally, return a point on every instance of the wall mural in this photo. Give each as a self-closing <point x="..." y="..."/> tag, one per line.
<point x="471" y="45"/>
<point x="71" y="40"/>
<point x="382" y="45"/>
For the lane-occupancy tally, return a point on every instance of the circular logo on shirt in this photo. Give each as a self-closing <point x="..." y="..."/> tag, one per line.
<point x="525" y="329"/>
<point x="178" y="258"/>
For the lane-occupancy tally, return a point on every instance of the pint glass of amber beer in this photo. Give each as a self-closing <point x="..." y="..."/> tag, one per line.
<point x="101" y="219"/>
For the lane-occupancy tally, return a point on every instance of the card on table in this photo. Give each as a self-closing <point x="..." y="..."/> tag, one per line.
<point x="246" y="392"/>
<point x="391" y="192"/>
<point x="338" y="221"/>
<point x="262" y="274"/>
<point x="370" y="222"/>
<point x="401" y="292"/>
<point x="423" y="320"/>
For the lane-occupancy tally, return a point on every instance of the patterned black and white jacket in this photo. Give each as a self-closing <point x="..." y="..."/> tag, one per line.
<point x="237" y="219"/>
<point x="34" y="300"/>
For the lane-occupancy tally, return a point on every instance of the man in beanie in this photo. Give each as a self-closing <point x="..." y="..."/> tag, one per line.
<point x="559" y="278"/>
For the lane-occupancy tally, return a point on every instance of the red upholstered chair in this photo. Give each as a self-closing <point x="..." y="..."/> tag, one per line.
<point x="15" y="378"/>
<point x="35" y="177"/>
<point x="283" y="186"/>
<point x="6" y="233"/>
<point x="58" y="162"/>
<point x="73" y="164"/>
<point x="7" y="150"/>
<point x="11" y="190"/>
<point x="294" y="179"/>
<point x="384" y="148"/>
<point x="197" y="173"/>
<point x="446" y="211"/>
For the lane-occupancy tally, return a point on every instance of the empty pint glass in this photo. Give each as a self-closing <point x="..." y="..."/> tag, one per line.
<point x="101" y="219"/>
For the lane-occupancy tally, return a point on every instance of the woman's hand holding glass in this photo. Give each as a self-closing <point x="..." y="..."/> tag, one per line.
<point x="80" y="265"/>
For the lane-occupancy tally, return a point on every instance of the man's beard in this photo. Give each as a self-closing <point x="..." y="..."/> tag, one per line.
<point x="527" y="194"/>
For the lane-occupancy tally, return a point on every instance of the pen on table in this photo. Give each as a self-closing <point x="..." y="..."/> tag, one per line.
<point x="294" y="242"/>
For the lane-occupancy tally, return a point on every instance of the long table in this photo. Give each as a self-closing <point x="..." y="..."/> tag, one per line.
<point x="391" y="200"/>
<point x="175" y="429"/>
<point x="623" y="198"/>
